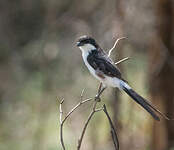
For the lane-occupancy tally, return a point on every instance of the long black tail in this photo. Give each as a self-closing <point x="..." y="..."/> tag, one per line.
<point x="141" y="101"/>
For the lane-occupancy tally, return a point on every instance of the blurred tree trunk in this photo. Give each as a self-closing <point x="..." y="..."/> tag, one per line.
<point x="161" y="55"/>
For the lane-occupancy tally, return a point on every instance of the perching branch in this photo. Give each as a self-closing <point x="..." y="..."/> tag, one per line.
<point x="115" y="44"/>
<point x="93" y="111"/>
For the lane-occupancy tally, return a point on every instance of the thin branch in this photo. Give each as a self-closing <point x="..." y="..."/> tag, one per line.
<point x="100" y="86"/>
<point x="122" y="60"/>
<point x="60" y="108"/>
<point x="75" y="107"/>
<point x="81" y="95"/>
<point x="87" y="122"/>
<point x="61" y="125"/>
<point x="115" y="44"/>
<point x="113" y="131"/>
<point x="94" y="110"/>
<point x="68" y="114"/>
<point x="98" y="109"/>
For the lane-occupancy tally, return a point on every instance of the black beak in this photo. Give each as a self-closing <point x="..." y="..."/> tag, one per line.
<point x="79" y="44"/>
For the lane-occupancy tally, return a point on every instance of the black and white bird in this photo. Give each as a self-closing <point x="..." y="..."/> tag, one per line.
<point x="104" y="69"/>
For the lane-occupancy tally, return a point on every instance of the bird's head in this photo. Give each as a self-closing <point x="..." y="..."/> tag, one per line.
<point x="87" y="43"/>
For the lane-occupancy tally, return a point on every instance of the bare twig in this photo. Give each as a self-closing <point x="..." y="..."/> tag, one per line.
<point x="62" y="121"/>
<point x="115" y="44"/>
<point x="94" y="110"/>
<point x="113" y="132"/>
<point x="61" y="124"/>
<point x="99" y="88"/>
<point x="74" y="108"/>
<point x="87" y="122"/>
<point x="60" y="108"/>
<point x="122" y="60"/>
<point x="81" y="95"/>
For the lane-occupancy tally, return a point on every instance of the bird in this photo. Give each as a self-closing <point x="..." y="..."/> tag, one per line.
<point x="102" y="67"/>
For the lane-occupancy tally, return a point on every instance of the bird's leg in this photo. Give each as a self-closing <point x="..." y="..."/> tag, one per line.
<point x="100" y="91"/>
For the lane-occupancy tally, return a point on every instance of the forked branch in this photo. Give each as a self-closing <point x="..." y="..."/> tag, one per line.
<point x="62" y="121"/>
<point x="115" y="44"/>
<point x="93" y="111"/>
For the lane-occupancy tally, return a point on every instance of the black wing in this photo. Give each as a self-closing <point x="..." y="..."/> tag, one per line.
<point x="103" y="64"/>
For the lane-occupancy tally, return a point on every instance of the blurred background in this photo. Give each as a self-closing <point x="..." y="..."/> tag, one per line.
<point x="39" y="61"/>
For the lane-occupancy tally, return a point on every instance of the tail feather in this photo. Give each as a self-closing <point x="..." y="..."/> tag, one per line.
<point x="141" y="101"/>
